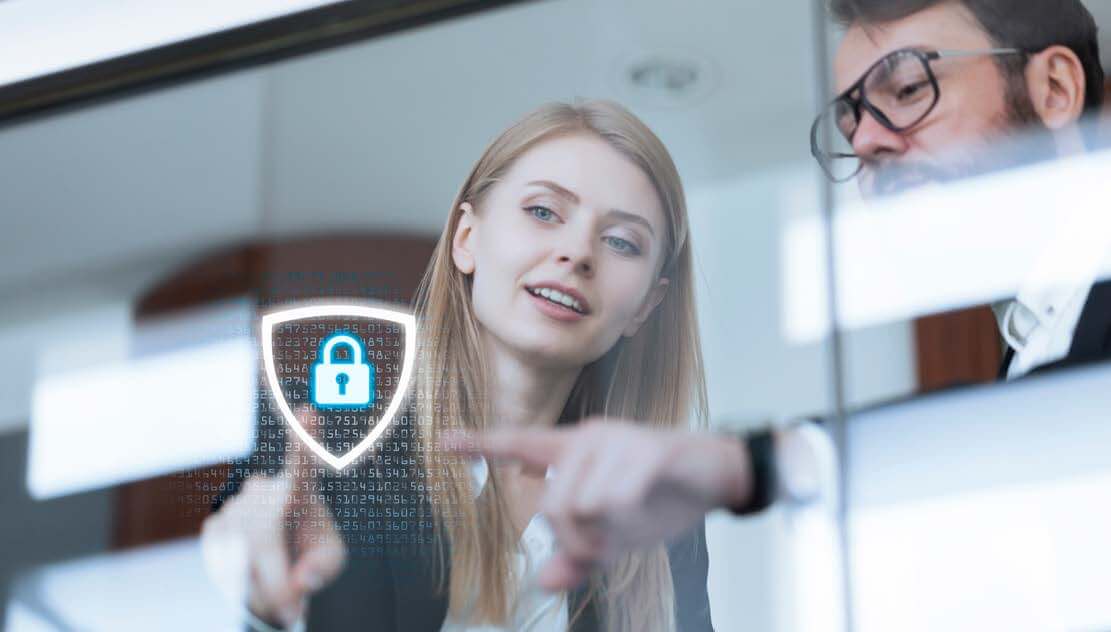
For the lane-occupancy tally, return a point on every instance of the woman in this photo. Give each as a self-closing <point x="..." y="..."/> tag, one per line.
<point x="561" y="288"/>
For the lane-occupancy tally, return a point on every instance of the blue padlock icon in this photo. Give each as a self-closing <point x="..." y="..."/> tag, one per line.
<point x="344" y="383"/>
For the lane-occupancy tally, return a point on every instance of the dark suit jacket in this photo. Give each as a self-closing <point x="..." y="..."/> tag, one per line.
<point x="390" y="583"/>
<point x="397" y="593"/>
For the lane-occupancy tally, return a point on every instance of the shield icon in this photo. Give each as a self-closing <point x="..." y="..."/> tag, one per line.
<point x="379" y="345"/>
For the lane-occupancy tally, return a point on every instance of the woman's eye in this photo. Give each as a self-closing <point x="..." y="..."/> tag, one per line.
<point x="542" y="213"/>
<point x="623" y="246"/>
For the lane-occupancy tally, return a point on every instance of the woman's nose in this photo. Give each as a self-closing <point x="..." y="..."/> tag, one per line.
<point x="577" y="250"/>
<point x="581" y="265"/>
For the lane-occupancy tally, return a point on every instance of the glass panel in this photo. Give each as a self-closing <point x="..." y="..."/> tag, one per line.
<point x="331" y="176"/>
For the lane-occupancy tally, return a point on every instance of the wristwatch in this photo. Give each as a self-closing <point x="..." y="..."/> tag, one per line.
<point x="787" y="463"/>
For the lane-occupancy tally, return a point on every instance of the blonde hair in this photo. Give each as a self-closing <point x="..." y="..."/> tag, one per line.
<point x="655" y="377"/>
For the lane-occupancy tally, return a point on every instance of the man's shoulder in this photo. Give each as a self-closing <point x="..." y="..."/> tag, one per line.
<point x="1092" y="338"/>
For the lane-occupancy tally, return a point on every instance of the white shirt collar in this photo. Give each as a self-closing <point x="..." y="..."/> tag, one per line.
<point x="1039" y="325"/>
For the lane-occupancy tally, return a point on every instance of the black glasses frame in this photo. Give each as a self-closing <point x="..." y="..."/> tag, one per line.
<point x="860" y="103"/>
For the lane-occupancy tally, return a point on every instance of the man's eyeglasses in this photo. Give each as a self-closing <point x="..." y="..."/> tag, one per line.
<point x="899" y="91"/>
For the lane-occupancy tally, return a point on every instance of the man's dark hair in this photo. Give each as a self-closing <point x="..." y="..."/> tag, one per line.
<point x="1028" y="25"/>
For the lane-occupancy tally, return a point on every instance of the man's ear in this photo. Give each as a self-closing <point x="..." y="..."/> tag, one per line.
<point x="462" y="242"/>
<point x="1057" y="84"/>
<point x="651" y="302"/>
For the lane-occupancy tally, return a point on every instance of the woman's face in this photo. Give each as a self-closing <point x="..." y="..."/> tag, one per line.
<point x="565" y="252"/>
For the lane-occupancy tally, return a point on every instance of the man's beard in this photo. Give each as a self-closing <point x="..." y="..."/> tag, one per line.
<point x="1017" y="137"/>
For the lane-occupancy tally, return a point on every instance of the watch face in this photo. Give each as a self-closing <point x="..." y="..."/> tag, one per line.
<point x="804" y="457"/>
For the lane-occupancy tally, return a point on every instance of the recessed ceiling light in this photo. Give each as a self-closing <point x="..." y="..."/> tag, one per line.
<point x="665" y="78"/>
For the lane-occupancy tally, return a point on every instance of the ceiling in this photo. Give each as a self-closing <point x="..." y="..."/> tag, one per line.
<point x="379" y="134"/>
<point x="386" y="131"/>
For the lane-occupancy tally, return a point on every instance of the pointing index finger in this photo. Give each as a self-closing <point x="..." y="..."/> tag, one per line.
<point x="533" y="448"/>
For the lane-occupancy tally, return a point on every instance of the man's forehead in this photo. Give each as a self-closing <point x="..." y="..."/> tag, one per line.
<point x="948" y="25"/>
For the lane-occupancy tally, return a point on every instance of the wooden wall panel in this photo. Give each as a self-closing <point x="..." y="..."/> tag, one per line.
<point x="957" y="348"/>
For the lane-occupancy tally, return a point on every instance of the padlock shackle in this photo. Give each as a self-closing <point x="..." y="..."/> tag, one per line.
<point x="347" y="339"/>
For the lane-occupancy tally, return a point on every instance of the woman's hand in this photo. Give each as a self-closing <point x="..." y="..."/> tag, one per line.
<point x="279" y="538"/>
<point x="619" y="486"/>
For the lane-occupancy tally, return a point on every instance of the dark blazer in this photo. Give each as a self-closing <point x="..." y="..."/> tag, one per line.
<point x="390" y="582"/>
<point x="398" y="593"/>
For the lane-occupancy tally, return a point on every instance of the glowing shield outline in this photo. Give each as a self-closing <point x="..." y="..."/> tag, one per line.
<point x="272" y="319"/>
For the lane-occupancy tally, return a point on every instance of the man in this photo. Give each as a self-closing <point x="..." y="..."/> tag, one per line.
<point x="930" y="91"/>
<point x="925" y="89"/>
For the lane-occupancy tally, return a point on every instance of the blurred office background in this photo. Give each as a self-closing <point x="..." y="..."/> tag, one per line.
<point x="142" y="225"/>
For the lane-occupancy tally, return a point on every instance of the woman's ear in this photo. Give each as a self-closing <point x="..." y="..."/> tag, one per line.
<point x="462" y="242"/>
<point x="1056" y="82"/>
<point x="651" y="302"/>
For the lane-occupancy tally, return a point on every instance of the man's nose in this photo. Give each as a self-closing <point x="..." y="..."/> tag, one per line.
<point x="873" y="142"/>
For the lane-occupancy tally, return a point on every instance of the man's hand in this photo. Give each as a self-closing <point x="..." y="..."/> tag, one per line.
<point x="278" y="537"/>
<point x="618" y="486"/>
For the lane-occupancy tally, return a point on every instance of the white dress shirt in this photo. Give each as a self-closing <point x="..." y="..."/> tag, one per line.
<point x="535" y="610"/>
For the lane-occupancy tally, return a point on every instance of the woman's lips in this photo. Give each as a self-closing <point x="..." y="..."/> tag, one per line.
<point x="555" y="311"/>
